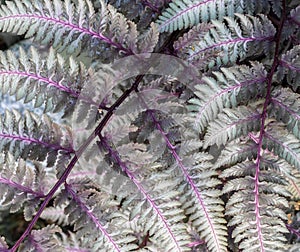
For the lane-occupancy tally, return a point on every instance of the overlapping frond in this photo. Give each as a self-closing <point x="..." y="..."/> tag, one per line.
<point x="154" y="197"/>
<point x="175" y="163"/>
<point x="200" y="199"/>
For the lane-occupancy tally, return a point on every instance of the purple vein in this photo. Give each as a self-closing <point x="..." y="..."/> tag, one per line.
<point x="20" y="187"/>
<point x="284" y="146"/>
<point x="292" y="182"/>
<point x="290" y="111"/>
<point x="42" y="79"/>
<point x="224" y="91"/>
<point x="50" y="83"/>
<point x="231" y="125"/>
<point x="288" y="65"/>
<point x="294" y="20"/>
<point x="262" y="132"/>
<point x="71" y="26"/>
<point x="293" y="230"/>
<point x="228" y="42"/>
<point x="190" y="8"/>
<point x="91" y="215"/>
<point x="130" y="174"/>
<point x="184" y="170"/>
<point x="30" y="140"/>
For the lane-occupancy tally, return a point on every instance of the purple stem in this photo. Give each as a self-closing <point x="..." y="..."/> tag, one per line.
<point x="83" y="147"/>
<point x="91" y="215"/>
<point x="43" y="79"/>
<point x="71" y="26"/>
<point x="116" y="157"/>
<point x="184" y="170"/>
<point x="262" y="129"/>
<point x="74" y="160"/>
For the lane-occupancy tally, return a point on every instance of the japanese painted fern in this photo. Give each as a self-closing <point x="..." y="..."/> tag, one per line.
<point x="168" y="126"/>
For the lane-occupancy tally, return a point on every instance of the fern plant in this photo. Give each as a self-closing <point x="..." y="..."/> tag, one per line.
<point x="150" y="125"/>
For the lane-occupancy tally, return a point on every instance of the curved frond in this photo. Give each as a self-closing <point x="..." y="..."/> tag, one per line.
<point x="200" y="199"/>
<point x="244" y="206"/>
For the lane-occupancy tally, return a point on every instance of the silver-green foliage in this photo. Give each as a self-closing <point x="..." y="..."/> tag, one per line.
<point x="163" y="165"/>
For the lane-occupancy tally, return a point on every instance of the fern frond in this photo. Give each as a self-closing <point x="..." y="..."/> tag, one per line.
<point x="295" y="16"/>
<point x="254" y="226"/>
<point x="186" y="43"/>
<point x="283" y="144"/>
<point x="52" y="82"/>
<point x="285" y="108"/>
<point x="193" y="35"/>
<point x="200" y="200"/>
<point x="233" y="38"/>
<point x="236" y="151"/>
<point x="68" y="24"/>
<point x="19" y="186"/>
<point x="34" y="138"/>
<point x="45" y="239"/>
<point x="230" y="87"/>
<point x="85" y="213"/>
<point x="55" y="215"/>
<point x="148" y="41"/>
<point x="183" y="14"/>
<point x="162" y="210"/>
<point x="289" y="67"/>
<point x="231" y="124"/>
<point x="294" y="185"/>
